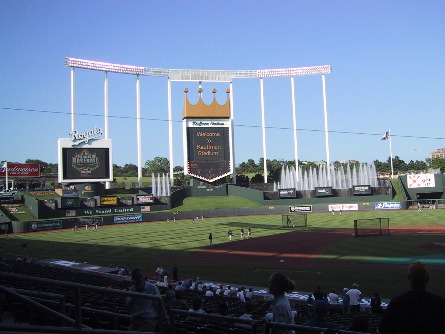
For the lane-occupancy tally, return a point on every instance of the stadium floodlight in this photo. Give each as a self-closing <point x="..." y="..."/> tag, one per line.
<point x="197" y="75"/>
<point x="106" y="67"/>
<point x="294" y="72"/>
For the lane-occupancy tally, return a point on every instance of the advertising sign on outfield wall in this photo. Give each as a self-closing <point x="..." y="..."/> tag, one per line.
<point x="144" y="199"/>
<point x="46" y="225"/>
<point x="323" y="191"/>
<point x="127" y="219"/>
<point x="362" y="190"/>
<point x="388" y="206"/>
<point x="287" y="193"/>
<point x="300" y="208"/>
<point x="343" y="207"/>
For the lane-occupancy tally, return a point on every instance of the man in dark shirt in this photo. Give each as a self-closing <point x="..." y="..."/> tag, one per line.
<point x="417" y="310"/>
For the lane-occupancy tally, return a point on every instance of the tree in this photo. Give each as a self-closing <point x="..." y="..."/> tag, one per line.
<point x="398" y="164"/>
<point x="130" y="170"/>
<point x="178" y="169"/>
<point x="242" y="180"/>
<point x="258" y="178"/>
<point x="417" y="165"/>
<point x="157" y="165"/>
<point x="382" y="167"/>
<point x="438" y="163"/>
<point x="117" y="170"/>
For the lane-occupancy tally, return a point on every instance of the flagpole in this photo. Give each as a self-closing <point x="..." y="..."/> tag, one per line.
<point x="390" y="153"/>
<point x="6" y="171"/>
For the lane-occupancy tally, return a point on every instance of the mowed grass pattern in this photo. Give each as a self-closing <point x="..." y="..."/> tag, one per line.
<point x="174" y="242"/>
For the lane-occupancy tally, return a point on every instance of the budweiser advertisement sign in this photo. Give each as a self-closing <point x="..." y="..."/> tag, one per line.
<point x="20" y="170"/>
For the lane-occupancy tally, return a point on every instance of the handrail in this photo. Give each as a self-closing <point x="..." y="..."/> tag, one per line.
<point x="79" y="328"/>
<point x="78" y="288"/>
<point x="36" y="305"/>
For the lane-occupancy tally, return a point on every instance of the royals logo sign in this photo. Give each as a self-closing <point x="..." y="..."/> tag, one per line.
<point x="84" y="137"/>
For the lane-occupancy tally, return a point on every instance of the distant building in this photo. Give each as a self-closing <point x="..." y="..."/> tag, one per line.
<point x="440" y="153"/>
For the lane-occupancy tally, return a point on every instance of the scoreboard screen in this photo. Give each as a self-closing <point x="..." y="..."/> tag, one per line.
<point x="86" y="163"/>
<point x="208" y="151"/>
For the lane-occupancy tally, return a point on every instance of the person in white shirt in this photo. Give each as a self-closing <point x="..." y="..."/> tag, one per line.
<point x="249" y="294"/>
<point x="333" y="297"/>
<point x="209" y="292"/>
<point x="240" y="295"/>
<point x="219" y="291"/>
<point x="355" y="295"/>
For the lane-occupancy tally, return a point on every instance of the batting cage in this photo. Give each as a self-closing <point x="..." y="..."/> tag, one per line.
<point x="371" y="227"/>
<point x="294" y="220"/>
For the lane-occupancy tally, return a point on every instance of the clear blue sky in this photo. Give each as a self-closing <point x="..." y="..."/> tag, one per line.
<point x="387" y="58"/>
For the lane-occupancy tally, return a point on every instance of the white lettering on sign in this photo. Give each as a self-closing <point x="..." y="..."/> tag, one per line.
<point x="84" y="137"/>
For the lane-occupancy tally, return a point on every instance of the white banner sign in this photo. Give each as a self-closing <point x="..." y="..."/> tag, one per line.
<point x="421" y="181"/>
<point x="343" y="207"/>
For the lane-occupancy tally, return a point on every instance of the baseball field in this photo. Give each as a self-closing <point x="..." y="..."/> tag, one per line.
<point x="324" y="253"/>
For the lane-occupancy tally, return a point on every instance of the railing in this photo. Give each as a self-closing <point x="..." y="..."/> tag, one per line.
<point x="76" y="323"/>
<point x="69" y="325"/>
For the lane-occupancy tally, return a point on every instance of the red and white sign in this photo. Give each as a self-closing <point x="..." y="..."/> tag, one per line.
<point x="421" y="181"/>
<point x="20" y="170"/>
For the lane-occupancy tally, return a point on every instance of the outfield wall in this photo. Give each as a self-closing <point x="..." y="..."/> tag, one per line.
<point x="130" y="217"/>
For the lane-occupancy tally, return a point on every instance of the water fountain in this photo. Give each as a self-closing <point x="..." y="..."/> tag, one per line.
<point x="160" y="185"/>
<point x="327" y="176"/>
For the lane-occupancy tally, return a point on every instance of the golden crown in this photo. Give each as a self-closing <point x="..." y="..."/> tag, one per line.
<point x="202" y="110"/>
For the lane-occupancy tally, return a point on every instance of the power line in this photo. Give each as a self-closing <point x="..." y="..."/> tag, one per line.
<point x="236" y="125"/>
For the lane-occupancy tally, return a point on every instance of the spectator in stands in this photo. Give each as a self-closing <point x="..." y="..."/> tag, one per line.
<point x="310" y="300"/>
<point x="333" y="297"/>
<point x="178" y="286"/>
<point x="249" y="294"/>
<point x="346" y="301"/>
<point x="197" y="303"/>
<point x="376" y="304"/>
<point x="355" y="296"/>
<point x="170" y="293"/>
<point x="175" y="273"/>
<point x="209" y="292"/>
<point x="417" y="310"/>
<point x="360" y="323"/>
<point x="279" y="285"/>
<point x="186" y="285"/>
<point x="320" y="314"/>
<point x="145" y="313"/>
<point x="227" y="291"/>
<point x="193" y="285"/>
<point x="220" y="290"/>
<point x="240" y="295"/>
<point x="318" y="294"/>
<point x="180" y="302"/>
<point x="248" y="309"/>
<point x="127" y="270"/>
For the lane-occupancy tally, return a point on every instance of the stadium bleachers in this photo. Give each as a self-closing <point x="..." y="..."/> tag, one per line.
<point x="102" y="309"/>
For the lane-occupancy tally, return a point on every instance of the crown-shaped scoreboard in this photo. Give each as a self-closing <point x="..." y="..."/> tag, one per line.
<point x="207" y="138"/>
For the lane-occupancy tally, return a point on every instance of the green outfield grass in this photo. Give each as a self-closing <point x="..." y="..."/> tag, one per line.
<point x="150" y="245"/>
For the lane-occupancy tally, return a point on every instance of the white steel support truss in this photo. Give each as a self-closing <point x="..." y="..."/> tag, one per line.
<point x="200" y="76"/>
